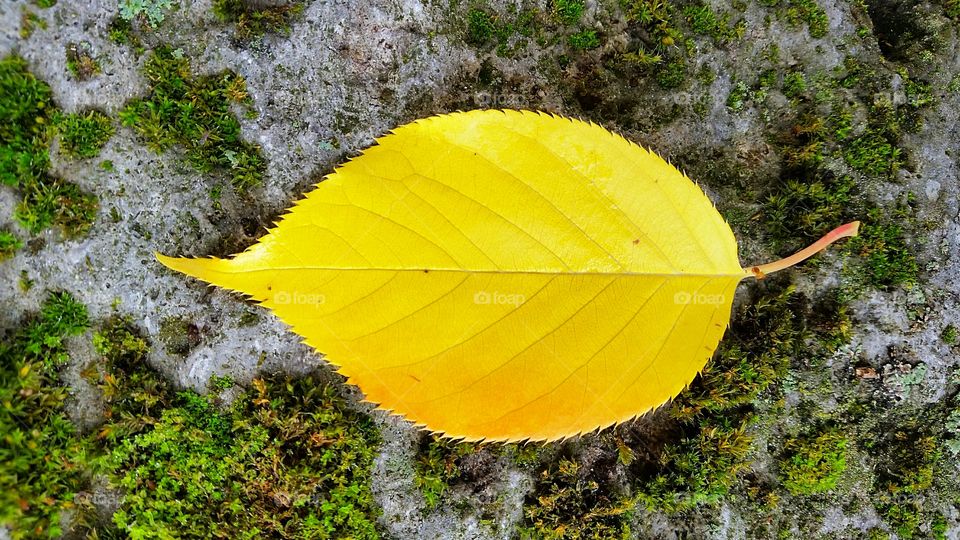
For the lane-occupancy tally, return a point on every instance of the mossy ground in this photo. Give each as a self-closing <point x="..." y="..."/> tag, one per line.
<point x="287" y="458"/>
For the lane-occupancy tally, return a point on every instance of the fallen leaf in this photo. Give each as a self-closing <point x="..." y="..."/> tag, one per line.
<point x="502" y="275"/>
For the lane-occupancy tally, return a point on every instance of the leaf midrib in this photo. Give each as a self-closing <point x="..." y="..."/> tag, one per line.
<point x="742" y="273"/>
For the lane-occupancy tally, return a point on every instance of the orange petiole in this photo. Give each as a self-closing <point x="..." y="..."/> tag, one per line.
<point x="844" y="231"/>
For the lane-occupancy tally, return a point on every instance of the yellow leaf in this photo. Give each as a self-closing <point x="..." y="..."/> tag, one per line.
<point x="501" y="275"/>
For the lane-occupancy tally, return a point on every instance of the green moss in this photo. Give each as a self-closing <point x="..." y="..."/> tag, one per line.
<point x="219" y="383"/>
<point x="813" y="463"/>
<point x="254" y="19"/>
<point x="9" y="244"/>
<point x="568" y="11"/>
<point x="82" y="135"/>
<point x="29" y="22"/>
<point x="799" y="211"/>
<point x="25" y="282"/>
<point x="42" y="460"/>
<point x="741" y="94"/>
<point x="178" y="335"/>
<point x="939" y="527"/>
<point x="26" y="114"/>
<point x="794" y="84"/>
<point x="509" y="32"/>
<point x="45" y="3"/>
<point x="950" y="335"/>
<point x="25" y="109"/>
<point x="647" y="12"/>
<point x="132" y="393"/>
<point x="194" y="113"/>
<point x="704" y="21"/>
<point x="480" y="26"/>
<point x="56" y="202"/>
<point x="707" y="446"/>
<point x="738" y="96"/>
<point x="437" y="465"/>
<point x="288" y="459"/>
<point x="568" y="505"/>
<point x="672" y="74"/>
<point x="80" y="62"/>
<point x="811" y="199"/>
<point x="523" y="455"/>
<point x="951" y="8"/>
<point x="583" y="40"/>
<point x="873" y="153"/>
<point x="904" y="473"/>
<point x="887" y="260"/>
<point x="121" y="32"/>
<point x="655" y="19"/>
<point x="701" y="467"/>
<point x="800" y="12"/>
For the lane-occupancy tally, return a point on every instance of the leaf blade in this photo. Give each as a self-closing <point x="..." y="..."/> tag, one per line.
<point x="475" y="269"/>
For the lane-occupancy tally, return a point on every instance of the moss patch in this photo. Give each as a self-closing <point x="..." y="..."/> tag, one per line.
<point x="702" y="463"/>
<point x="813" y="463"/>
<point x="80" y="61"/>
<point x="9" y="244"/>
<point x="42" y="458"/>
<point x="705" y="21"/>
<point x="570" y="505"/>
<point x="506" y="33"/>
<point x="194" y="112"/>
<point x="287" y="459"/>
<point x="29" y="22"/>
<point x="909" y="456"/>
<point x="254" y="18"/>
<point x="82" y="135"/>
<point x="808" y="13"/>
<point x="26" y="113"/>
<point x="437" y="465"/>
<point x="56" y="202"/>
<point x="585" y="39"/>
<point x="698" y="452"/>
<point x="25" y="109"/>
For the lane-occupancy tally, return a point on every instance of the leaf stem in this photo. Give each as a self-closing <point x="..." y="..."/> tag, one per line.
<point x="843" y="231"/>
